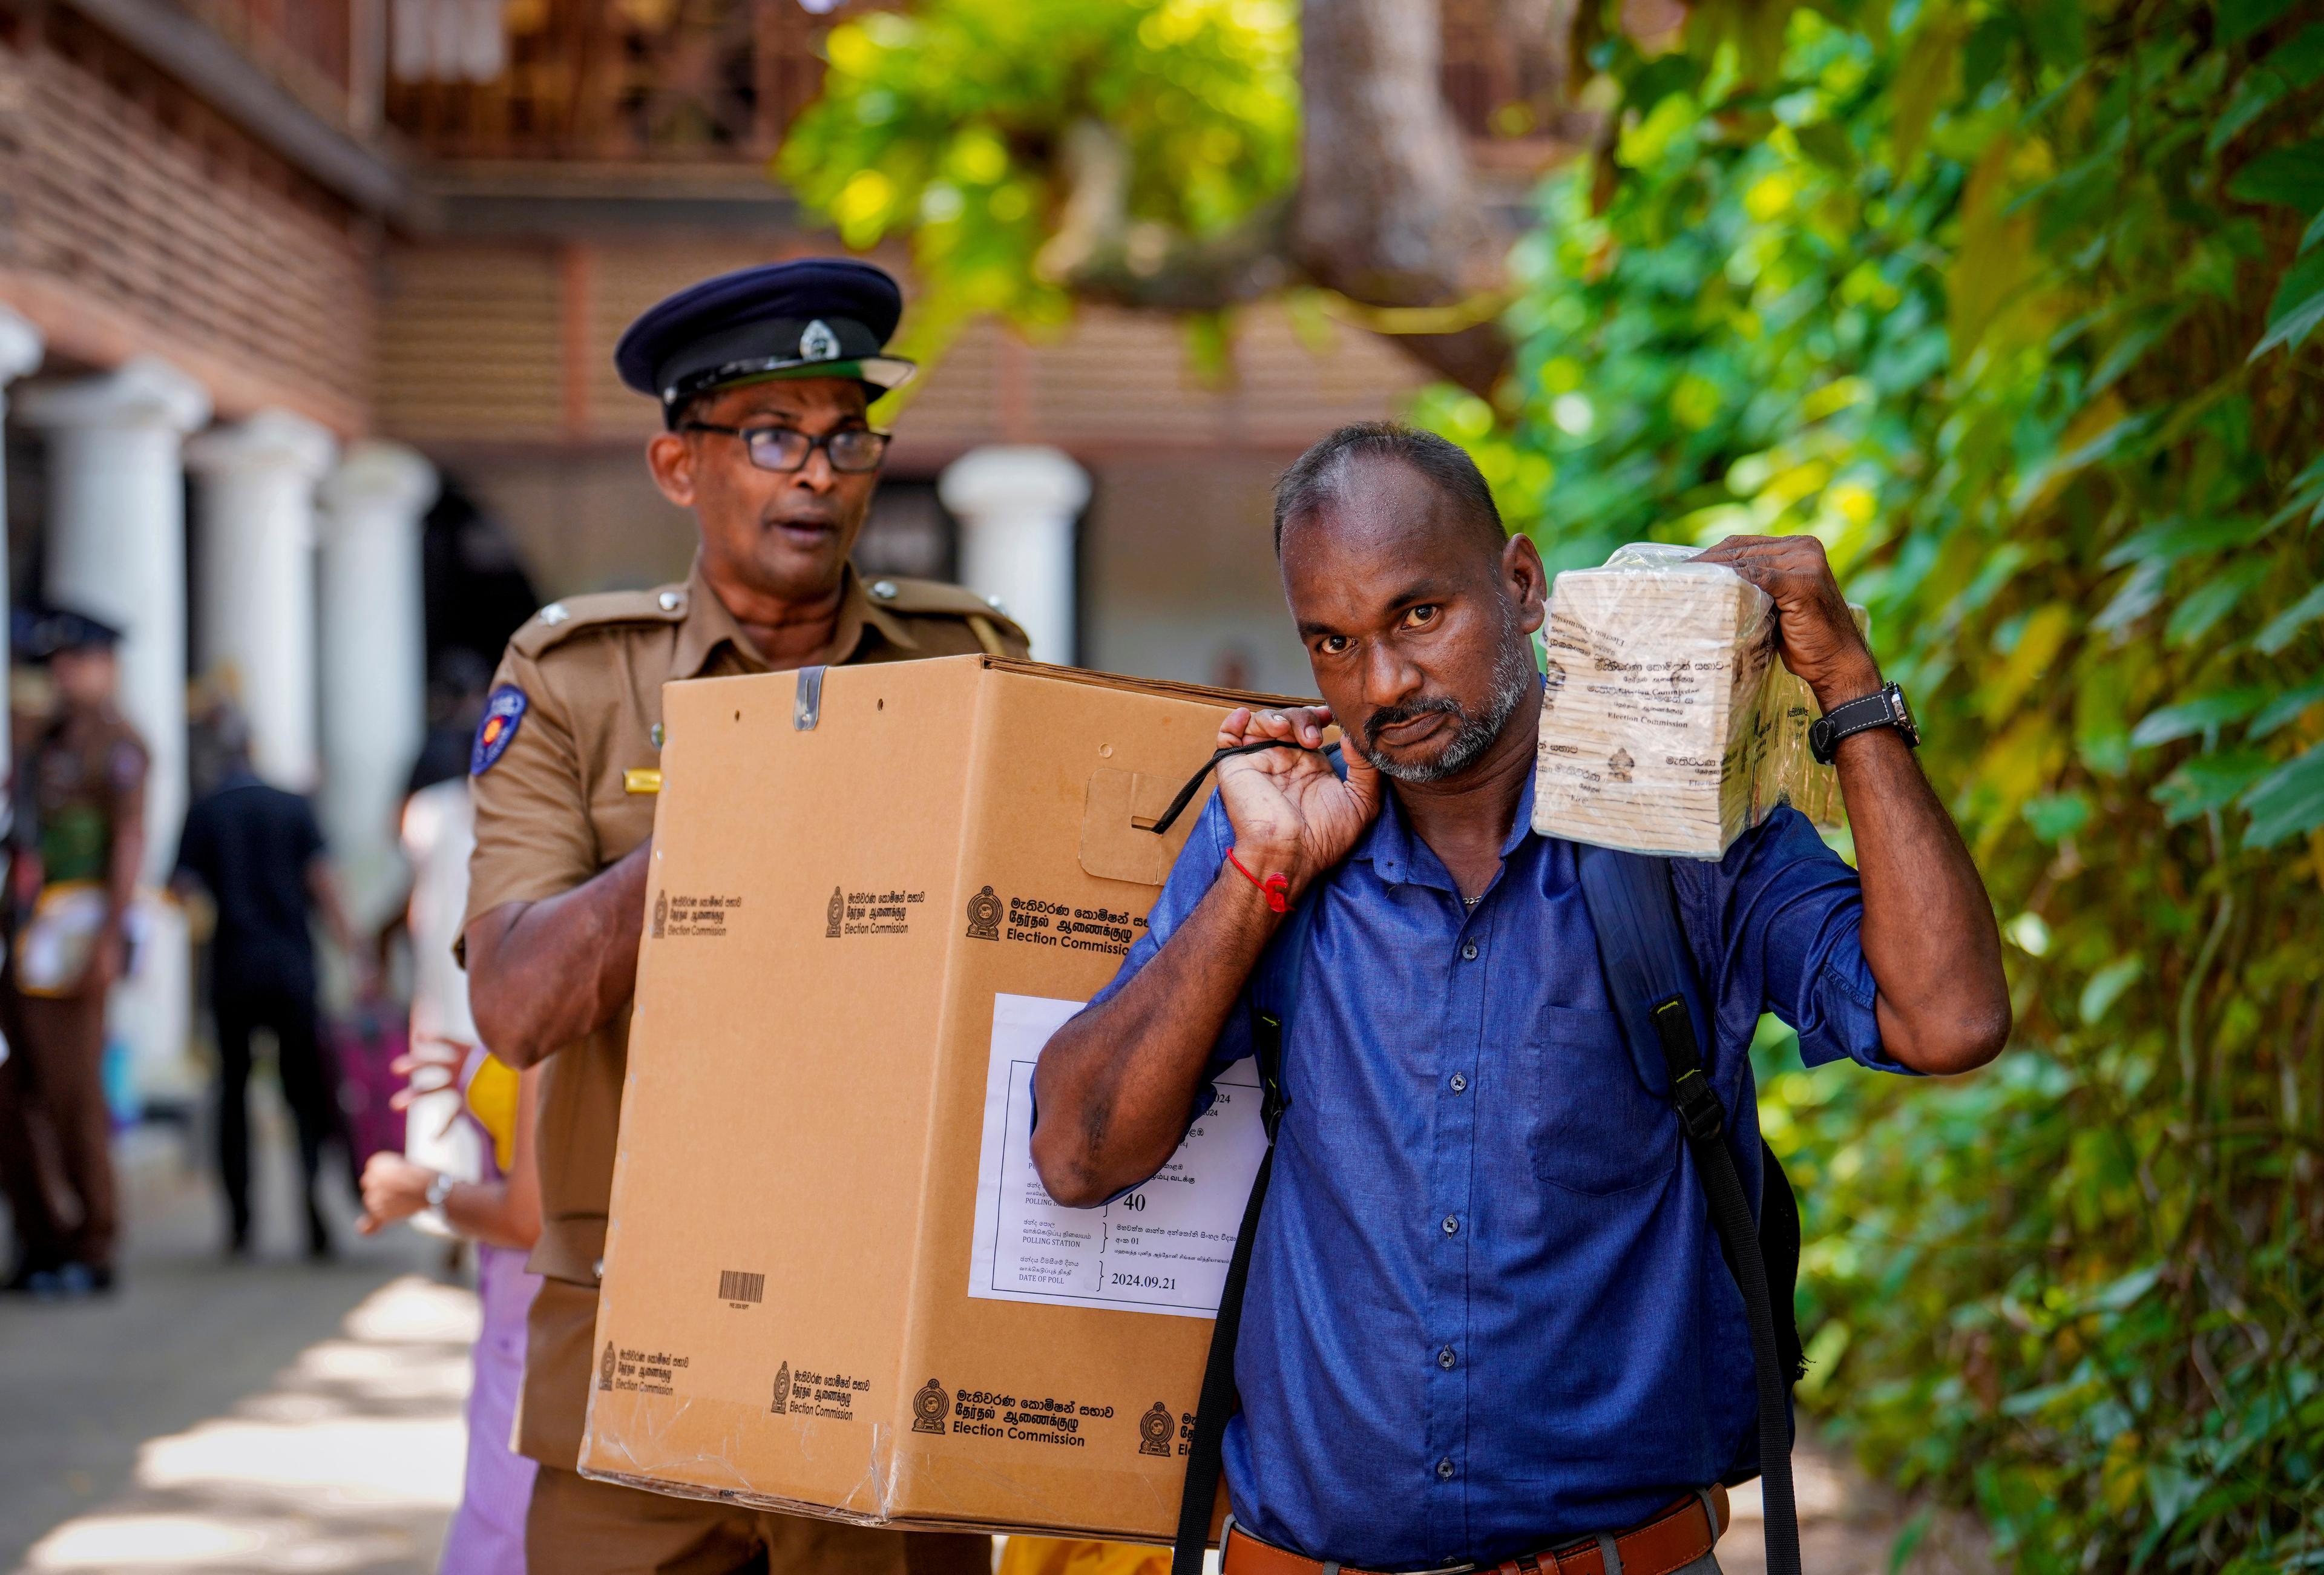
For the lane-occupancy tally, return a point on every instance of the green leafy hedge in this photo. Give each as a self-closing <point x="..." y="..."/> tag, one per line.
<point x="2013" y="306"/>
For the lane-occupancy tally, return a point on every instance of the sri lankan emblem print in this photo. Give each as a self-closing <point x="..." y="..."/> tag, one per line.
<point x="661" y="913"/>
<point x="1618" y="766"/>
<point x="929" y="1407"/>
<point x="838" y="906"/>
<point x="782" y="1390"/>
<point x="1154" y="1430"/>
<point x="605" y="1367"/>
<point x="985" y="916"/>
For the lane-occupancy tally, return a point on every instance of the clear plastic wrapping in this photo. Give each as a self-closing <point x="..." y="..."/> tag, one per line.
<point x="1669" y="725"/>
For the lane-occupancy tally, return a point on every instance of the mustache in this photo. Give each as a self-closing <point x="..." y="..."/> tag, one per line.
<point x="1389" y="716"/>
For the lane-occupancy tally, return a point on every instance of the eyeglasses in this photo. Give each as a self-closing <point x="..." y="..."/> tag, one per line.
<point x="851" y="450"/>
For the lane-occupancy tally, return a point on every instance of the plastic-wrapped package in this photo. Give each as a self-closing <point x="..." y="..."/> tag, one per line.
<point x="1669" y="724"/>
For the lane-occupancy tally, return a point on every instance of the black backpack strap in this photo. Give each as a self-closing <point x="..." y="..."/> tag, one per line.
<point x="1274" y="987"/>
<point x="1651" y="978"/>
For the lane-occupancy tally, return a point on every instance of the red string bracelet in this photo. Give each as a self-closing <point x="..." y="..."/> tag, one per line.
<point x="1276" y="887"/>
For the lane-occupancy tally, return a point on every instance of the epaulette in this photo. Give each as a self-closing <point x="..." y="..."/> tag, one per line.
<point x="560" y="620"/>
<point x="936" y="599"/>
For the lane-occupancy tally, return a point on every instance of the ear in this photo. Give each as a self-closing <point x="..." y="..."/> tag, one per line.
<point x="670" y="457"/>
<point x="1526" y="581"/>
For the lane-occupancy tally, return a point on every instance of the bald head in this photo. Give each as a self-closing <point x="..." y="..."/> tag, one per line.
<point x="1437" y="478"/>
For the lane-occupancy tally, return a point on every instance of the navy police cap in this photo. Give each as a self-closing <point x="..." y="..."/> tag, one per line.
<point x="814" y="317"/>
<point x="39" y="633"/>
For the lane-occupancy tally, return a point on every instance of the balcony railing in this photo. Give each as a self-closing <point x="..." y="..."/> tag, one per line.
<point x="708" y="81"/>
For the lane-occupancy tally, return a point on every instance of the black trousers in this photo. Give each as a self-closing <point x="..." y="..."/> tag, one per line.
<point x="307" y="1089"/>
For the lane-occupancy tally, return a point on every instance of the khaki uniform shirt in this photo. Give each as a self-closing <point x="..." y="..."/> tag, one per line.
<point x="571" y="793"/>
<point x="86" y="774"/>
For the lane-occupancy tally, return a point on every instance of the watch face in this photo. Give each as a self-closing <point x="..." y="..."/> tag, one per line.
<point x="1902" y="710"/>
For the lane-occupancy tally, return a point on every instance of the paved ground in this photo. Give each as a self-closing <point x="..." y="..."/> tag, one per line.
<point x="280" y="1416"/>
<point x="177" y="1416"/>
<point x="1850" y="1526"/>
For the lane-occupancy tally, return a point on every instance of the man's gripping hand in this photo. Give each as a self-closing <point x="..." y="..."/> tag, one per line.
<point x="1290" y="811"/>
<point x="1820" y="641"/>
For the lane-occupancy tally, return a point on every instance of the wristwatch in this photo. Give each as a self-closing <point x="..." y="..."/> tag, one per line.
<point x="439" y="1187"/>
<point x="1885" y="708"/>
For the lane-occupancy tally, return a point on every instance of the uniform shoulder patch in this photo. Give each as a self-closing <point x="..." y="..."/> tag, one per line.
<point x="502" y="711"/>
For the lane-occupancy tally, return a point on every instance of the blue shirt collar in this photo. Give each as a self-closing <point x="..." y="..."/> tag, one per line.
<point x="1400" y="858"/>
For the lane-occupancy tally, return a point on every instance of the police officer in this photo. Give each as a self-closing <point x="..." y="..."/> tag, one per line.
<point x="763" y="377"/>
<point x="78" y="840"/>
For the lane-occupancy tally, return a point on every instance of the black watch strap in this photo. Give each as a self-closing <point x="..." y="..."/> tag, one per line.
<point x="1884" y="708"/>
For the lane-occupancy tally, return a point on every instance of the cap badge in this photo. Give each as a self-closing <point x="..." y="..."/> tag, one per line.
<point x="818" y="343"/>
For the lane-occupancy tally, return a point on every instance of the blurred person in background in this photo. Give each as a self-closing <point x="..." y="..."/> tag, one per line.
<point x="77" y="841"/>
<point x="459" y="1100"/>
<point x="500" y="1213"/>
<point x="257" y="854"/>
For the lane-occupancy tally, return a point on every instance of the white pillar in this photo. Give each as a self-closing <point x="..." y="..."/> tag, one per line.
<point x="1017" y="508"/>
<point x="254" y="580"/>
<point x="117" y="550"/>
<point x="20" y="351"/>
<point x="375" y="655"/>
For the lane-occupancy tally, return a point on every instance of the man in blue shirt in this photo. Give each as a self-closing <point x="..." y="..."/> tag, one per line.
<point x="1487" y="1314"/>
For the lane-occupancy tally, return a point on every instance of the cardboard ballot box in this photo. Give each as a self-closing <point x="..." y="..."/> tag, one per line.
<point x="833" y="1281"/>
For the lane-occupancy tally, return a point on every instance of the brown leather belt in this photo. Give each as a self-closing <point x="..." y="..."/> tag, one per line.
<point x="1670" y="1541"/>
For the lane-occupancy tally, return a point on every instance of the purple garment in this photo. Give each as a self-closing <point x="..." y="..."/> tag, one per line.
<point x="487" y="1533"/>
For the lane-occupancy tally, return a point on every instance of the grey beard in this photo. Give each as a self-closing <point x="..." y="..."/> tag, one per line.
<point x="1514" y="677"/>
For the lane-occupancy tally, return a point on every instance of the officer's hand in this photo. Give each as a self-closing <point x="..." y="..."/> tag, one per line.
<point x="1820" y="639"/>
<point x="1290" y="811"/>
<point x="393" y="1188"/>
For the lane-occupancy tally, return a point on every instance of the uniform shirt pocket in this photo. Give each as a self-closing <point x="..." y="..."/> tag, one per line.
<point x="1596" y="1129"/>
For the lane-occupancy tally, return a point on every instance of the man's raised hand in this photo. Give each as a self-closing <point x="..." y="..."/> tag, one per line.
<point x="1820" y="642"/>
<point x="1290" y="811"/>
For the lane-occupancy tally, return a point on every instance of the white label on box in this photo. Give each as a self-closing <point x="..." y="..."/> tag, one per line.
<point x="1160" y="1248"/>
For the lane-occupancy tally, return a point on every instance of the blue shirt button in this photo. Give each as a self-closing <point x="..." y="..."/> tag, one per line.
<point x="1445" y="1359"/>
<point x="1445" y="1469"/>
<point x="1459" y="1082"/>
<point x="1468" y="952"/>
<point x="1452" y="1226"/>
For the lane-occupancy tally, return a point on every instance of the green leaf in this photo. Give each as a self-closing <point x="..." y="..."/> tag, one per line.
<point x="2055" y="816"/>
<point x="2239" y="19"/>
<point x="2214" y="599"/>
<point x="2255" y="95"/>
<point x="2202" y="714"/>
<point x="1925" y="79"/>
<point x="2209" y="782"/>
<point x="2284" y="625"/>
<point x="2291" y="177"/>
<point x="2288" y="802"/>
<point x="2300" y="61"/>
<point x="2106" y="988"/>
<point x="2298" y="307"/>
<point x="2285" y="707"/>
<point x="2173" y="541"/>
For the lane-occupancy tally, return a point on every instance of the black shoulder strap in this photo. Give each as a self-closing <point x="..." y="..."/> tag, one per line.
<point x="1650" y="976"/>
<point x="1274" y="987"/>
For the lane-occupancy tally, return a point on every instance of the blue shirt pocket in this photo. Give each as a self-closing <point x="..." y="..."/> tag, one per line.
<point x="1594" y="1129"/>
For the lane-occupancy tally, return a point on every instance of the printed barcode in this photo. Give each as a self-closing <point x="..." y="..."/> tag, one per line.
<point x="734" y="1285"/>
